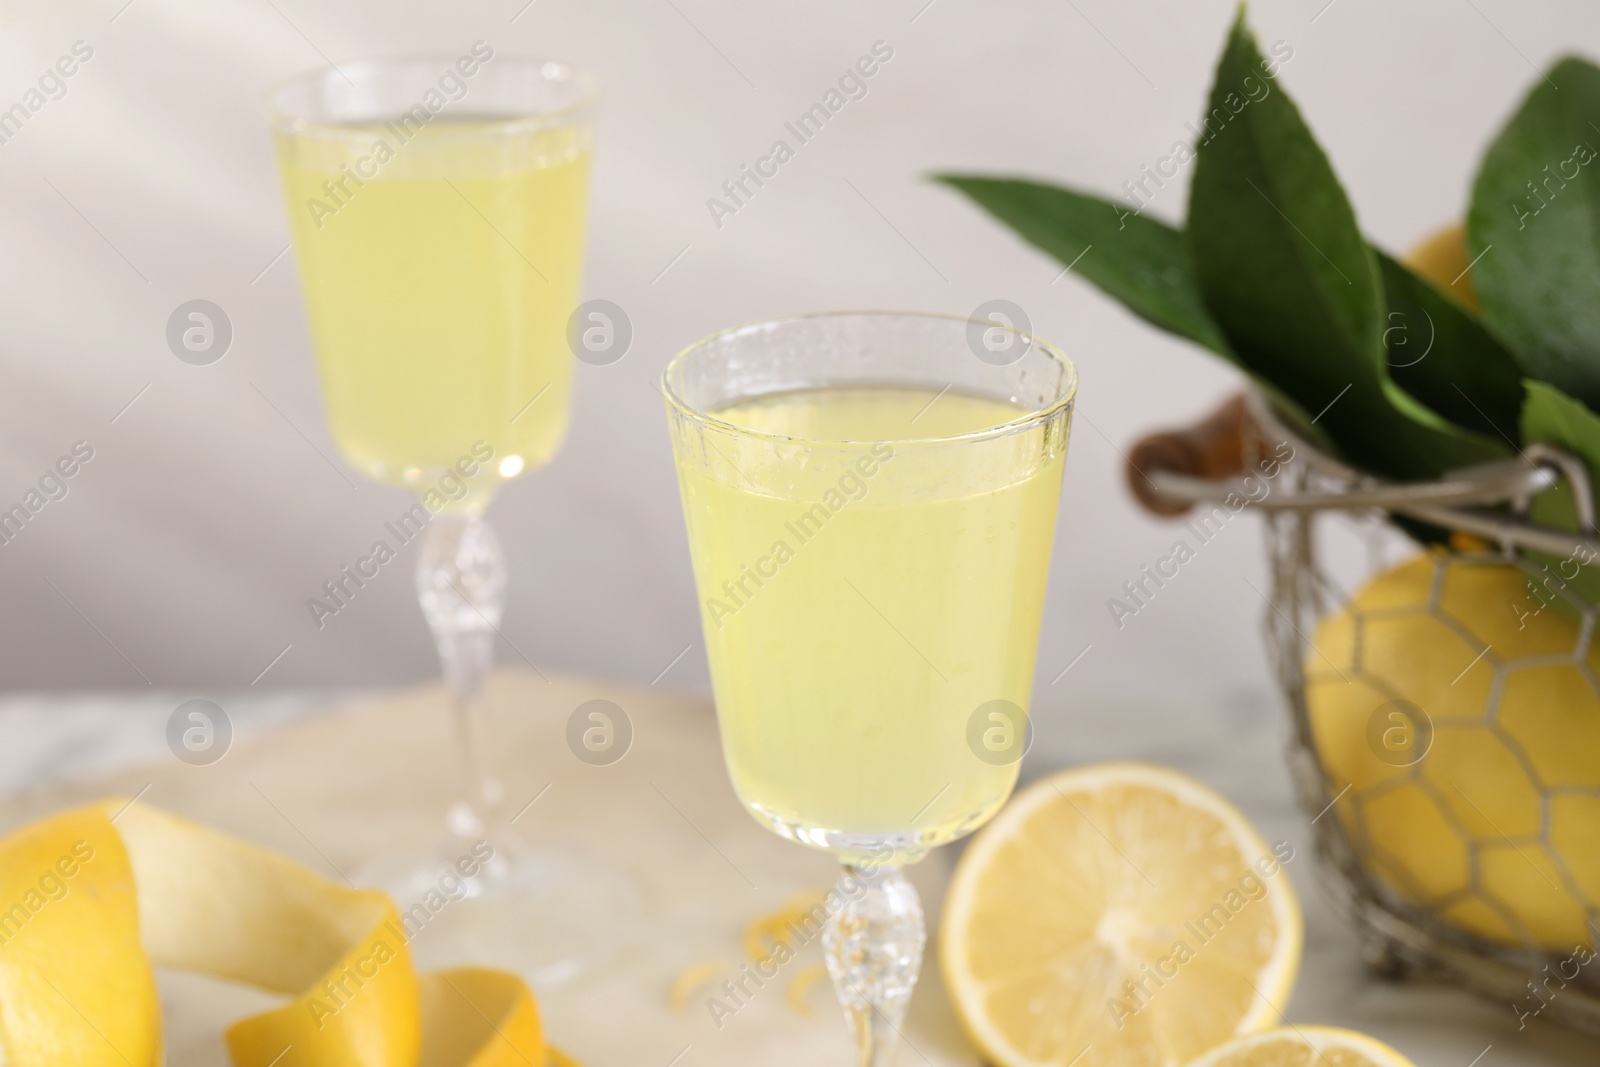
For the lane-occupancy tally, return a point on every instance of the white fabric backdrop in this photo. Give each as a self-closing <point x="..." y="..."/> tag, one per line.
<point x="185" y="549"/>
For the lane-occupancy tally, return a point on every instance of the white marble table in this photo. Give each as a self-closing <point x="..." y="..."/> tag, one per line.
<point x="367" y="774"/>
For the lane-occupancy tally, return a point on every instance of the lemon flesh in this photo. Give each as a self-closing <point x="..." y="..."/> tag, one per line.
<point x="1303" y="1046"/>
<point x="1121" y="906"/>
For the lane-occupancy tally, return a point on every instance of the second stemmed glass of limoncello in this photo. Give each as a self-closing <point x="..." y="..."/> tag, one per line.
<point x="871" y="502"/>
<point x="437" y="206"/>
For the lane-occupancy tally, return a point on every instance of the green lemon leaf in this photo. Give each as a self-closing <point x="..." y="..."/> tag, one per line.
<point x="1552" y="417"/>
<point x="1442" y="356"/>
<point x="1533" y="231"/>
<point x="1140" y="261"/>
<point x="1293" y="286"/>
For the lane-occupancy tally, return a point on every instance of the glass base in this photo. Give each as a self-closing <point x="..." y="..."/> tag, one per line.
<point x="549" y="915"/>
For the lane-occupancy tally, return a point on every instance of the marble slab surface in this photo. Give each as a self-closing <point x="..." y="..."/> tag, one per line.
<point x="339" y="779"/>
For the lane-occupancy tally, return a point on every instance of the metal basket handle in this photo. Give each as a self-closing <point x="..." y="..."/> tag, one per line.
<point x="1172" y="470"/>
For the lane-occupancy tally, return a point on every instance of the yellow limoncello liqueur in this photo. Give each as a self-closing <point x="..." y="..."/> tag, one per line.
<point x="861" y="602"/>
<point x="440" y="267"/>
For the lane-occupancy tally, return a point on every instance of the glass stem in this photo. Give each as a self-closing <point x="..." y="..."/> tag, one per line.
<point x="461" y="582"/>
<point x="873" y="944"/>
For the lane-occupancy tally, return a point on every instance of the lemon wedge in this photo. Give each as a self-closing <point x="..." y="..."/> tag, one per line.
<point x="1122" y="907"/>
<point x="1303" y="1046"/>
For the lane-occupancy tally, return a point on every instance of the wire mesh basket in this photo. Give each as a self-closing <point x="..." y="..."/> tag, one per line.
<point x="1459" y="817"/>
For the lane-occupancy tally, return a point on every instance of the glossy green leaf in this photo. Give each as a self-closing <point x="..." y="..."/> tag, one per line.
<point x="1442" y="356"/>
<point x="1142" y="262"/>
<point x="1534" y="231"/>
<point x="1552" y="417"/>
<point x="1138" y="260"/>
<point x="1293" y="286"/>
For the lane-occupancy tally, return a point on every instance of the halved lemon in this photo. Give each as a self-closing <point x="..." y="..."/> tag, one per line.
<point x="1303" y="1046"/>
<point x="1123" y="908"/>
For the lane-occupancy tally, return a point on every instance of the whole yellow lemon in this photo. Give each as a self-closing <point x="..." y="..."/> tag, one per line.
<point x="1456" y="713"/>
<point x="1443" y="260"/>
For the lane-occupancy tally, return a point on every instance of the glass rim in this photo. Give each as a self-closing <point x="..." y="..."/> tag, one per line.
<point x="281" y="120"/>
<point x="1026" y="421"/>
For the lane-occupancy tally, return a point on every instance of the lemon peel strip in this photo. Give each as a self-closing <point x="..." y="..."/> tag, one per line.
<point x="763" y="935"/>
<point x="688" y="981"/>
<point x="96" y="905"/>
<point x="795" y="996"/>
<point x="75" y="987"/>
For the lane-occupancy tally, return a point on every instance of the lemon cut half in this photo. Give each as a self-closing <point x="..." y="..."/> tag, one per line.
<point x="1123" y="913"/>
<point x="1304" y="1046"/>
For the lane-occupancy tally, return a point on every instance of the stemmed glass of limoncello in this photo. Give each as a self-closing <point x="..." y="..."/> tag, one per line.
<point x="437" y="206"/>
<point x="871" y="501"/>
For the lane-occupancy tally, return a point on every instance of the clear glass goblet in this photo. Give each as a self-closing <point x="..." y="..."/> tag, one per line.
<point x="871" y="501"/>
<point x="437" y="205"/>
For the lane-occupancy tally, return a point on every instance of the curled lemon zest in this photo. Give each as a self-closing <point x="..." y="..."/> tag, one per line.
<point x="763" y="934"/>
<point x="93" y="899"/>
<point x="796" y="995"/>
<point x="688" y="981"/>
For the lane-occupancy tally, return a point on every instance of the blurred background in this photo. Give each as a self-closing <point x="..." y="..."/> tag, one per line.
<point x="182" y="557"/>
